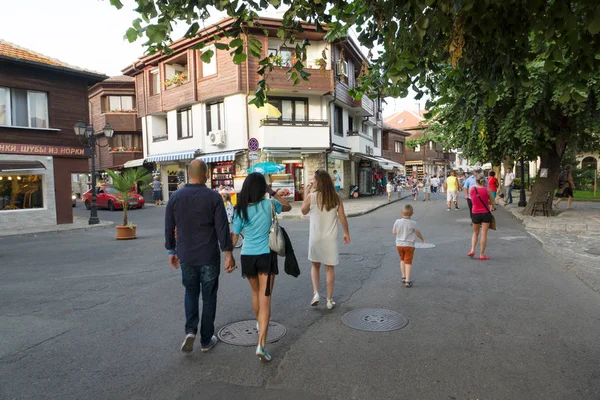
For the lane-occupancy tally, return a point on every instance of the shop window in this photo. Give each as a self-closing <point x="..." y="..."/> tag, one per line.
<point x="120" y="104"/>
<point x="398" y="148"/>
<point x="292" y="110"/>
<point x="154" y="82"/>
<point x="25" y="108"/>
<point x="176" y="71"/>
<point x="184" y="123"/>
<point x="338" y="120"/>
<point x="20" y="192"/>
<point x="210" y="68"/>
<point x="215" y="117"/>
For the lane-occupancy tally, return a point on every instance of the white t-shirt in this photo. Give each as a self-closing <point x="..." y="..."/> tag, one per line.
<point x="390" y="187"/>
<point x="508" y="179"/>
<point x="435" y="182"/>
<point x="405" y="232"/>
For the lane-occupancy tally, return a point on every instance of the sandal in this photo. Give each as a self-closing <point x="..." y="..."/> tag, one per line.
<point x="484" y="258"/>
<point x="403" y="279"/>
<point x="471" y="254"/>
<point x="408" y="284"/>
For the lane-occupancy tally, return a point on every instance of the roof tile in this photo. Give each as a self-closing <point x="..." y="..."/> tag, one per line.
<point x="18" y="53"/>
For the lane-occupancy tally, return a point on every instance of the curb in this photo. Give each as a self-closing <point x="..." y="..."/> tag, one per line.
<point x="101" y="225"/>
<point x="554" y="225"/>
<point x="349" y="215"/>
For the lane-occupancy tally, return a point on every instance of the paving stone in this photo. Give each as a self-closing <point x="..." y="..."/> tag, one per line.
<point x="577" y="227"/>
<point x="556" y="227"/>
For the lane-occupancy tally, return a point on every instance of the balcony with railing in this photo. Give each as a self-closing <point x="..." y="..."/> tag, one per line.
<point x="276" y="133"/>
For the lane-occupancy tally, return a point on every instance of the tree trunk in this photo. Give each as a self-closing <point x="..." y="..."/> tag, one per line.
<point x="549" y="160"/>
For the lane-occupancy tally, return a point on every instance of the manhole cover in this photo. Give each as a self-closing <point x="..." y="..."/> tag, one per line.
<point x="420" y="245"/>
<point x="594" y="252"/>
<point x="374" y="320"/>
<point x="244" y="333"/>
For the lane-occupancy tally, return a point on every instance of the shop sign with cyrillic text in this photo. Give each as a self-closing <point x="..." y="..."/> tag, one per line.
<point x="43" y="150"/>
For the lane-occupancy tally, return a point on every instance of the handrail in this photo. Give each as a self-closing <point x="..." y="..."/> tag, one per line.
<point x="281" y="122"/>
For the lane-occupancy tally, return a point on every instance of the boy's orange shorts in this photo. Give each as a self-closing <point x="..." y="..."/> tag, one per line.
<point x="406" y="253"/>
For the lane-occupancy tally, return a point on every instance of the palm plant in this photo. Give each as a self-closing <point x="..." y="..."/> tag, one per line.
<point x="123" y="182"/>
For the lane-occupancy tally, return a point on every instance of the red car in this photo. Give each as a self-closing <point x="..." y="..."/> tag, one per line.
<point x="108" y="197"/>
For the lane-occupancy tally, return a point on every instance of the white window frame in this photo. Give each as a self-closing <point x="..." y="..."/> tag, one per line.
<point x="211" y="64"/>
<point x="29" y="113"/>
<point x="8" y="107"/>
<point x="184" y="115"/>
<point x="157" y="89"/>
<point x="220" y="113"/>
<point x="417" y="148"/>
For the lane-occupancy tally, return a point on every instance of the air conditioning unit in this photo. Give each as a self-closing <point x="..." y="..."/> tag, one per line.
<point x="217" y="138"/>
<point x="342" y="68"/>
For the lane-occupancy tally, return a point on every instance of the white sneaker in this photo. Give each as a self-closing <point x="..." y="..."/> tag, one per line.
<point x="330" y="304"/>
<point x="315" y="300"/>
<point x="188" y="344"/>
<point x="448" y="210"/>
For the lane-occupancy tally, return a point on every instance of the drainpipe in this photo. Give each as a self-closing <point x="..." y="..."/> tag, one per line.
<point x="247" y="97"/>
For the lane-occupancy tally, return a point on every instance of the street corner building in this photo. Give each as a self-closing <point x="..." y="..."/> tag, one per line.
<point x="41" y="98"/>
<point x="191" y="109"/>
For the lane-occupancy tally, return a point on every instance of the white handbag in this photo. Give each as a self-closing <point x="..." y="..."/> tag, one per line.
<point x="276" y="240"/>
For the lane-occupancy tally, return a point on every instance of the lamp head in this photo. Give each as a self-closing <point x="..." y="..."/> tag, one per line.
<point x="108" y="131"/>
<point x="79" y="129"/>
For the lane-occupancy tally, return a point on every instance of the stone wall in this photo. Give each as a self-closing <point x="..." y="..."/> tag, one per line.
<point x="312" y="163"/>
<point x="29" y="218"/>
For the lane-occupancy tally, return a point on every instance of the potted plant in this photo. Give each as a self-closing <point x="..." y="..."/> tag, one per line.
<point x="123" y="182"/>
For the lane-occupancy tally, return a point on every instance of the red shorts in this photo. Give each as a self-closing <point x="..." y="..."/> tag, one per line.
<point x="406" y="253"/>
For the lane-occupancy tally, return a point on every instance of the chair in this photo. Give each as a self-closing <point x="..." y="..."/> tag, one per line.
<point x="543" y="206"/>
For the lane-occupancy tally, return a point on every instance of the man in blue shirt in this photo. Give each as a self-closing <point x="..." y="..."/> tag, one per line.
<point x="195" y="225"/>
<point x="469" y="183"/>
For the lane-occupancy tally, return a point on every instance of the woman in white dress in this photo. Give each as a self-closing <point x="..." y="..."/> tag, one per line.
<point x="326" y="209"/>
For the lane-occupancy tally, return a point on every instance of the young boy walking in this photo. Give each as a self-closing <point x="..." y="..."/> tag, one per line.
<point x="406" y="232"/>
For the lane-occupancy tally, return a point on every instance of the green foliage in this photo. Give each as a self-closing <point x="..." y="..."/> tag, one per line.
<point x="124" y="182"/>
<point x="507" y="78"/>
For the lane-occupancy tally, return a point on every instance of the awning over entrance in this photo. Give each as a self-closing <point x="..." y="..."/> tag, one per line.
<point x="218" y="157"/>
<point x="338" y="155"/>
<point x="15" y="166"/>
<point x="134" y="163"/>
<point x="173" y="156"/>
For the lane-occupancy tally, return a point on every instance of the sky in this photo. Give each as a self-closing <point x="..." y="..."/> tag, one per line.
<point x="89" y="34"/>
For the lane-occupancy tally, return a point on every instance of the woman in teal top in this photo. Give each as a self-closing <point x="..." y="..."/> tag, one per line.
<point x="253" y="216"/>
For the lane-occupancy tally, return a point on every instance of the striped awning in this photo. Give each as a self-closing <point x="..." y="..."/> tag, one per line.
<point x="218" y="157"/>
<point x="173" y="156"/>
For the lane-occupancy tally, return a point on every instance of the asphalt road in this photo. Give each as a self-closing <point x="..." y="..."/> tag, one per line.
<point x="85" y="316"/>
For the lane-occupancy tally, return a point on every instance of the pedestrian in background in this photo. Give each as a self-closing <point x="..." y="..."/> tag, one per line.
<point x="452" y="187"/>
<point x="435" y="182"/>
<point x="565" y="186"/>
<point x="337" y="179"/>
<point x="253" y="215"/>
<point x="442" y="180"/>
<point x="389" y="189"/>
<point x="493" y="184"/>
<point x="195" y="225"/>
<point x="509" y="182"/>
<point x="406" y="232"/>
<point x="228" y="206"/>
<point x="415" y="188"/>
<point x="426" y="182"/>
<point x="156" y="190"/>
<point x="326" y="210"/>
<point x="468" y="184"/>
<point x="481" y="216"/>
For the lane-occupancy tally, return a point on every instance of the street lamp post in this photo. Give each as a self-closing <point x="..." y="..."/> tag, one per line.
<point x="522" y="200"/>
<point x="88" y="132"/>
